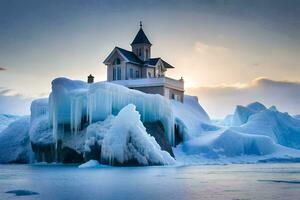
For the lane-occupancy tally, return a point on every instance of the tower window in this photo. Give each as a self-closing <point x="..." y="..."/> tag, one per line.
<point x="140" y="52"/>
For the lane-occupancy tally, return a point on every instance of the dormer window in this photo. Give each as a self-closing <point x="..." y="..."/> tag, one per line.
<point x="117" y="61"/>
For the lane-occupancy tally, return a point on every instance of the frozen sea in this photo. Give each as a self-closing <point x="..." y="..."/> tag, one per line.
<point x="248" y="181"/>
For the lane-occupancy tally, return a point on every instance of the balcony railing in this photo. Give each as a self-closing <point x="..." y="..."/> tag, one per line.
<point x="155" y="81"/>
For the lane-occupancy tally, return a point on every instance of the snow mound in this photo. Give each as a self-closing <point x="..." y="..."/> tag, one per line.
<point x="191" y="117"/>
<point x="90" y="164"/>
<point x="76" y="103"/>
<point x="124" y="140"/>
<point x="15" y="143"/>
<point x="5" y="120"/>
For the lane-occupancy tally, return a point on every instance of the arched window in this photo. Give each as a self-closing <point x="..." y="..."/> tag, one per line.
<point x="117" y="61"/>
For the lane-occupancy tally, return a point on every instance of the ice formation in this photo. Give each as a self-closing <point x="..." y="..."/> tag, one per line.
<point x="76" y="103"/>
<point x="15" y="143"/>
<point x="40" y="129"/>
<point x="123" y="139"/>
<point x="253" y="134"/>
<point x="84" y="117"/>
<point x="191" y="118"/>
<point x="229" y="146"/>
<point x="5" y="120"/>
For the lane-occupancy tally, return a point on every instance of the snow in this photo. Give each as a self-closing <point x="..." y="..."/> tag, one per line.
<point x="191" y="117"/>
<point x="90" y="164"/>
<point x="76" y="103"/>
<point x="124" y="139"/>
<point x="15" y="143"/>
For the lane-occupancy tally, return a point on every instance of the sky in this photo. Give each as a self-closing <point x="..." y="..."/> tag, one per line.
<point x="229" y="52"/>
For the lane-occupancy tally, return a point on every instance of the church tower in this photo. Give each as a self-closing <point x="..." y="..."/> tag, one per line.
<point x="141" y="45"/>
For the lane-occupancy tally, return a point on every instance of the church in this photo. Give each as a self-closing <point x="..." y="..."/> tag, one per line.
<point x="136" y="69"/>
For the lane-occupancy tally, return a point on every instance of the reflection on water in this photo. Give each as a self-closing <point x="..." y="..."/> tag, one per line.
<point x="260" y="181"/>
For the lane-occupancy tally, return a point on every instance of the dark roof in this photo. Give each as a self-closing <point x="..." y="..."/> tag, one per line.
<point x="152" y="61"/>
<point x="141" y="38"/>
<point x="167" y="65"/>
<point x="130" y="56"/>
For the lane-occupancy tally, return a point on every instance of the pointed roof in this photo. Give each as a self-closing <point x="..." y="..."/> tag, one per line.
<point x="141" y="37"/>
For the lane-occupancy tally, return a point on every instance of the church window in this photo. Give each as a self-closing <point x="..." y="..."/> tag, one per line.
<point x="117" y="61"/>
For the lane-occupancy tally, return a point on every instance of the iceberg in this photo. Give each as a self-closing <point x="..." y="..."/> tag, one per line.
<point x="75" y="104"/>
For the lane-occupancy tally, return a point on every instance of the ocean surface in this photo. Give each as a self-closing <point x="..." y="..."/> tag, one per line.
<point x="213" y="182"/>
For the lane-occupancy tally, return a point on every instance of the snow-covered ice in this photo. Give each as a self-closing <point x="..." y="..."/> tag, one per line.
<point x="5" y="120"/>
<point x="124" y="139"/>
<point x="76" y="103"/>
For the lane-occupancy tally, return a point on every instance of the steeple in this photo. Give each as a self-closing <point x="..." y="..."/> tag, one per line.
<point x="141" y="37"/>
<point x="141" y="46"/>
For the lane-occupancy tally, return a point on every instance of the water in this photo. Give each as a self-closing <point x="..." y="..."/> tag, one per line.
<point x="255" y="181"/>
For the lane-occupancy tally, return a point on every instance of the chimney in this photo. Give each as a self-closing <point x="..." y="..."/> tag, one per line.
<point x="90" y="79"/>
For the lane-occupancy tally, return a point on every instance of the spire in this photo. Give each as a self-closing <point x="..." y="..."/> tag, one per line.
<point x="141" y="37"/>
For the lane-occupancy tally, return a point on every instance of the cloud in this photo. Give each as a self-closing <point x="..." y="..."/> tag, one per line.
<point x="12" y="102"/>
<point x="203" y="48"/>
<point x="2" y="68"/>
<point x="221" y="100"/>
